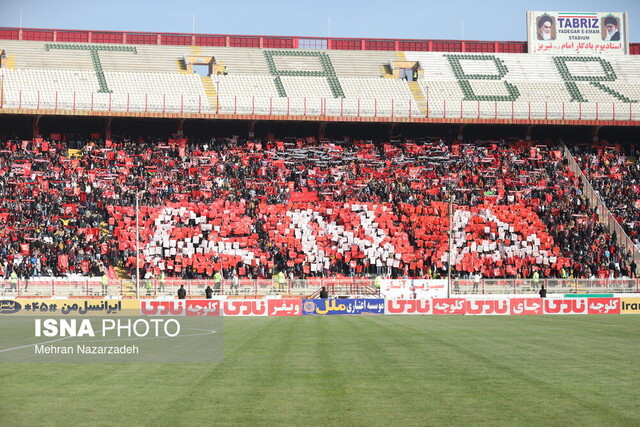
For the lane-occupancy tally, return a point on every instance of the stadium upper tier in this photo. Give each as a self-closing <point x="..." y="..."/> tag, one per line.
<point x="318" y="83"/>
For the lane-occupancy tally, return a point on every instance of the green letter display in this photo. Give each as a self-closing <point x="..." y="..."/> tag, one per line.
<point x="325" y="62"/>
<point x="95" y="58"/>
<point x="570" y="80"/>
<point x="463" y="78"/>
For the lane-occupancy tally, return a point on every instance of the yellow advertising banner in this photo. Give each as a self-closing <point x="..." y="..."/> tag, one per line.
<point x="70" y="307"/>
<point x="629" y="305"/>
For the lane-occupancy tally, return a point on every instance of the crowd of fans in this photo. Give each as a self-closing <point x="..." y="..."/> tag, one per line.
<point x="59" y="199"/>
<point x="615" y="174"/>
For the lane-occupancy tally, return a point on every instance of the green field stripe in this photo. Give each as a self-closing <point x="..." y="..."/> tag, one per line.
<point x="492" y="373"/>
<point x="398" y="379"/>
<point x="361" y="371"/>
<point x="482" y="380"/>
<point x="248" y="378"/>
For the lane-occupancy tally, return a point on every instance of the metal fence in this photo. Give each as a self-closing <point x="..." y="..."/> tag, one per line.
<point x="94" y="288"/>
<point x="553" y="286"/>
<point x="315" y="106"/>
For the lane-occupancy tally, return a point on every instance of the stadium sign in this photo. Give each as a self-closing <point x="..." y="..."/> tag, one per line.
<point x="285" y="307"/>
<point x="604" y="305"/>
<point x="630" y="305"/>
<point x="408" y="306"/>
<point x="342" y="306"/>
<point x="525" y="306"/>
<point x="498" y="306"/>
<point x="237" y="307"/>
<point x="180" y="307"/>
<point x="578" y="32"/>
<point x="449" y="306"/>
<point x="413" y="288"/>
<point x="69" y="307"/>
<point x="566" y="306"/>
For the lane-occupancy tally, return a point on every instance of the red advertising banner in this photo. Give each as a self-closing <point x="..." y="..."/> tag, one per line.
<point x="411" y="306"/>
<point x="565" y="306"/>
<point x="604" y="305"/>
<point x="163" y="307"/>
<point x="526" y="306"/>
<point x="436" y="306"/>
<point x="246" y="307"/>
<point x="284" y="307"/>
<point x="204" y="307"/>
<point x="487" y="307"/>
<point x="449" y="305"/>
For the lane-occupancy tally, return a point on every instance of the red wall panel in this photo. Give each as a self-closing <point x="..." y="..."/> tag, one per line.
<point x="512" y="47"/>
<point x="379" y="44"/>
<point x="446" y="46"/>
<point x="8" y="34"/>
<point x="277" y="43"/>
<point x="98" y="37"/>
<point x="142" y="38"/>
<point x="172" y="40"/>
<point x="346" y="44"/>
<point x="72" y="36"/>
<point x="211" y="41"/>
<point x="479" y="47"/>
<point x="37" y="35"/>
<point x="414" y="46"/>
<point x="244" y="42"/>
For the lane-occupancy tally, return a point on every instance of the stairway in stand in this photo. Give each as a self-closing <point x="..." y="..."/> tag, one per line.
<point x="9" y="62"/>
<point x="418" y="96"/>
<point x="128" y="283"/>
<point x="207" y="84"/>
<point x="385" y="71"/>
<point x="416" y="90"/>
<point x="181" y="65"/>
<point x="211" y="93"/>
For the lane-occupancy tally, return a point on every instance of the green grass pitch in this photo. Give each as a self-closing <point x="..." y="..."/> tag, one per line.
<point x="359" y="370"/>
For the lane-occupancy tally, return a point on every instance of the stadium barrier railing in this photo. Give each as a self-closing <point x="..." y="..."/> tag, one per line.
<point x="94" y="287"/>
<point x="553" y="286"/>
<point x="318" y="107"/>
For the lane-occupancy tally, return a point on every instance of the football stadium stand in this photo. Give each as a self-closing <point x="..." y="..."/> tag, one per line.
<point x="290" y="82"/>
<point x="325" y="209"/>
<point x="311" y="207"/>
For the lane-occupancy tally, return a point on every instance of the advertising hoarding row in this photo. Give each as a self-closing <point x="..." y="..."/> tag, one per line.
<point x="505" y="306"/>
<point x="299" y="307"/>
<point x="191" y="331"/>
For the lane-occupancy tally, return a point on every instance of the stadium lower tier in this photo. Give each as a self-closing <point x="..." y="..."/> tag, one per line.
<point x="298" y="208"/>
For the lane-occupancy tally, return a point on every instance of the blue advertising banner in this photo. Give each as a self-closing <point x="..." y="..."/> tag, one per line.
<point x="343" y="306"/>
